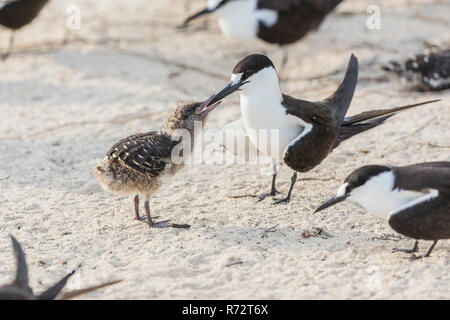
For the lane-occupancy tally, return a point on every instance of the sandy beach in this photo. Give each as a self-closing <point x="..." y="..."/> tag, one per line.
<point x="122" y="72"/>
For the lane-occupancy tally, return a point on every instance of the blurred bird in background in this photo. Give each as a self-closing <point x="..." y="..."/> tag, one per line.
<point x="17" y="13"/>
<point x="278" y="22"/>
<point x="423" y="72"/>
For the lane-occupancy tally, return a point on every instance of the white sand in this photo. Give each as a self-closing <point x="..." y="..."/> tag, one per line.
<point x="62" y="107"/>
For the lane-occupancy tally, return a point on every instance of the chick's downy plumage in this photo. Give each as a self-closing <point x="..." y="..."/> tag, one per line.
<point x="138" y="165"/>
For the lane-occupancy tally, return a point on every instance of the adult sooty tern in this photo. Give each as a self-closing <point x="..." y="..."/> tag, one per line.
<point x="20" y="290"/>
<point x="138" y="165"/>
<point x="307" y="131"/>
<point x="415" y="199"/>
<point x="17" y="13"/>
<point x="423" y="72"/>
<point x="280" y="22"/>
<point x="274" y="21"/>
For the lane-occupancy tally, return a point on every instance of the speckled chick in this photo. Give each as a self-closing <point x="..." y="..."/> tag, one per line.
<point x="20" y="290"/>
<point x="138" y="165"/>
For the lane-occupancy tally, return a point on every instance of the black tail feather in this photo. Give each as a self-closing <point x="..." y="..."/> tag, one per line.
<point x="339" y="101"/>
<point x="368" y="115"/>
<point x="54" y="290"/>
<point x="21" y="280"/>
<point x="370" y="119"/>
<point x="349" y="131"/>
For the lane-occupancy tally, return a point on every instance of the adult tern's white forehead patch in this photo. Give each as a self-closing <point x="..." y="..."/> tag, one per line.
<point x="212" y="4"/>
<point x="235" y="78"/>
<point x="341" y="191"/>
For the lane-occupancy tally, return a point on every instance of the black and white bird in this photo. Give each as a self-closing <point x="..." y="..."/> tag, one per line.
<point x="279" y="22"/>
<point x="423" y="72"/>
<point x="20" y="290"/>
<point x="307" y="131"/>
<point x="415" y="199"/>
<point x="15" y="14"/>
<point x="139" y="164"/>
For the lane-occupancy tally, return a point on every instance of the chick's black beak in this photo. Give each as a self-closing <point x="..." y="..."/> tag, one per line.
<point x="194" y="16"/>
<point x="331" y="202"/>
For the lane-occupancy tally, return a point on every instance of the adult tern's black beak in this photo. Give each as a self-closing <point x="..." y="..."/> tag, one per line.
<point x="331" y="202"/>
<point x="229" y="89"/>
<point x="207" y="106"/>
<point x="195" y="16"/>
